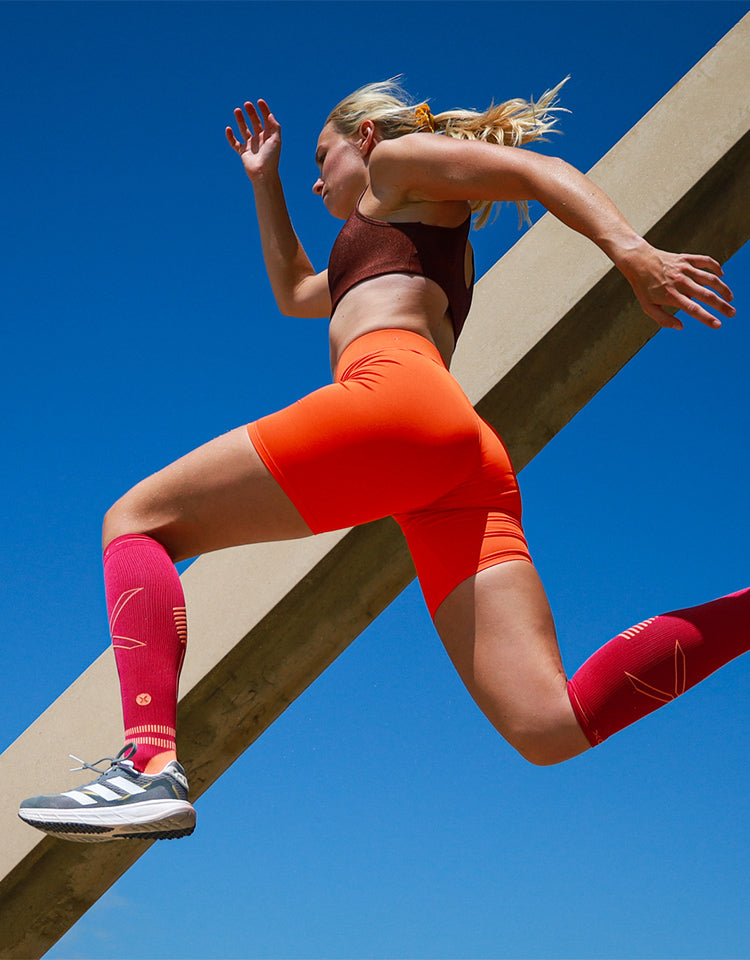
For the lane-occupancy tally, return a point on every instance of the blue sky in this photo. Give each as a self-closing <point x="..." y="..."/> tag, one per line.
<point x="380" y="816"/>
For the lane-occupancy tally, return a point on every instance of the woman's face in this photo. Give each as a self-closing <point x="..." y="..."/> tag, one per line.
<point x="343" y="171"/>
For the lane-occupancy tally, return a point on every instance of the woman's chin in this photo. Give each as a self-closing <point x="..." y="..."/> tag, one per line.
<point x="338" y="208"/>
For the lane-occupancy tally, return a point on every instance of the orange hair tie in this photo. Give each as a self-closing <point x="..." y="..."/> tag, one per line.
<point x="424" y="118"/>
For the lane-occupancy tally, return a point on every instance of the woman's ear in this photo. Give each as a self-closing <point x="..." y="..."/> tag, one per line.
<point x="367" y="137"/>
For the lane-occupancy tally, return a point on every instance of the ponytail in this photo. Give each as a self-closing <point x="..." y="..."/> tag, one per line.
<point x="512" y="123"/>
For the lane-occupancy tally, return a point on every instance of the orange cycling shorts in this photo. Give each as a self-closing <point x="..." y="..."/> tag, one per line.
<point x="394" y="435"/>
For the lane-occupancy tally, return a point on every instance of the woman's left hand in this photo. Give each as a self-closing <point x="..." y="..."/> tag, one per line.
<point x="682" y="281"/>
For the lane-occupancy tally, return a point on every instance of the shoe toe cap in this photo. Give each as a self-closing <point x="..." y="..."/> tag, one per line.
<point x="49" y="802"/>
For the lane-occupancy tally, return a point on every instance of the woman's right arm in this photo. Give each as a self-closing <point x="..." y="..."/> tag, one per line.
<point x="298" y="289"/>
<point x="438" y="168"/>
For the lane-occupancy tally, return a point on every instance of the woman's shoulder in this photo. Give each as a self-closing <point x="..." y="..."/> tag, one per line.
<point x="417" y="158"/>
<point x="398" y="167"/>
<point x="415" y="146"/>
<point x="436" y="168"/>
<point x="391" y="159"/>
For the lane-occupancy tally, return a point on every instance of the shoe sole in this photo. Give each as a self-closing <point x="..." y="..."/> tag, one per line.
<point x="147" y="820"/>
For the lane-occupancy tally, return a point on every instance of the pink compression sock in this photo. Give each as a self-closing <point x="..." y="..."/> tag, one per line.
<point x="149" y="632"/>
<point x="655" y="661"/>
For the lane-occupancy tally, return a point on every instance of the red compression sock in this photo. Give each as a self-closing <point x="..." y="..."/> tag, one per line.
<point x="149" y="632"/>
<point x="655" y="661"/>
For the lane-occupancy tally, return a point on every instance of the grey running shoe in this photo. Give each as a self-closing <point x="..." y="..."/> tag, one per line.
<point x="120" y="804"/>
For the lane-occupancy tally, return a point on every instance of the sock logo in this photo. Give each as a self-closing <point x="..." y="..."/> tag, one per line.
<point x="125" y="643"/>
<point x="680" y="680"/>
<point x="143" y="699"/>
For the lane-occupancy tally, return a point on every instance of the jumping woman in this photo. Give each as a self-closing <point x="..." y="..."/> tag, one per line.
<point x="393" y="435"/>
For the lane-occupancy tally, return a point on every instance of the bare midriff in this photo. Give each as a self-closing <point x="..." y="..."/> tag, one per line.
<point x="396" y="301"/>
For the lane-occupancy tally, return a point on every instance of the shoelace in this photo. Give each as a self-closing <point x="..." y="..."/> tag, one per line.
<point x="121" y="761"/>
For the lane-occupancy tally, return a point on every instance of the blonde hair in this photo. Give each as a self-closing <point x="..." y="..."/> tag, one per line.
<point x="511" y="123"/>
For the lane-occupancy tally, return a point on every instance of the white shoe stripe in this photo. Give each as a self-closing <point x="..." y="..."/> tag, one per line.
<point x="104" y="792"/>
<point x="79" y="797"/>
<point x="127" y="785"/>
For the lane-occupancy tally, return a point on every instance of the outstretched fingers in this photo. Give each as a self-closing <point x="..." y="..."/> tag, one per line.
<point x="667" y="282"/>
<point x="269" y="124"/>
<point x="700" y="286"/>
<point x="234" y="143"/>
<point x="246" y="131"/>
<point x="258" y="140"/>
<point x="708" y="275"/>
<point x="663" y="317"/>
<point x="254" y="120"/>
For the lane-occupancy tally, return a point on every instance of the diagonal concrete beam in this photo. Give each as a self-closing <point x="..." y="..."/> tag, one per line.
<point x="266" y="620"/>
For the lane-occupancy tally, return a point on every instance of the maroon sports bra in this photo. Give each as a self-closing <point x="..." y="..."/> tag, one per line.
<point x="367" y="248"/>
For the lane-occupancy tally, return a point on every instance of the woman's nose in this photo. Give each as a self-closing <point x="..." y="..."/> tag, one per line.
<point x="318" y="187"/>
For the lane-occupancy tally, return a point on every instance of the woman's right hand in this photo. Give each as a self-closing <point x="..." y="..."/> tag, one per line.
<point x="664" y="282"/>
<point x="259" y="145"/>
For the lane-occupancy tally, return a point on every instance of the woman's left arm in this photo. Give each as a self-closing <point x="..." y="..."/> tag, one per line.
<point x="435" y="168"/>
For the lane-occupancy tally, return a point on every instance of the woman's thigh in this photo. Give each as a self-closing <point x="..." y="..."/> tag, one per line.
<point x="498" y="630"/>
<point x="350" y="452"/>
<point x="394" y="433"/>
<point x="219" y="495"/>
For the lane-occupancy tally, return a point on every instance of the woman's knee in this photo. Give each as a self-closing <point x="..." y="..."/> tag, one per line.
<point x="127" y="516"/>
<point x="543" y="752"/>
<point x="118" y="522"/>
<point x="547" y="745"/>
